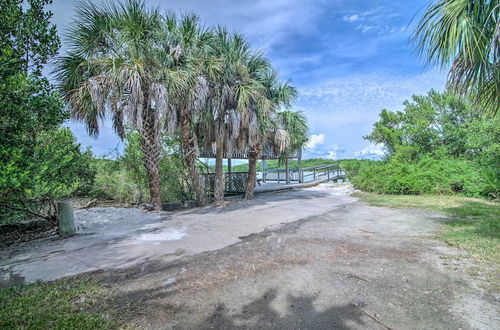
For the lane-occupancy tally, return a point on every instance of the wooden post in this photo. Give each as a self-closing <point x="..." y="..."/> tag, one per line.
<point x="299" y="167"/>
<point x="65" y="218"/>
<point x="264" y="165"/>
<point x="229" y="165"/>
<point x="328" y="175"/>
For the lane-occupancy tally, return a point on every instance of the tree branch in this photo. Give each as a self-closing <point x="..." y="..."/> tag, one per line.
<point x="206" y="166"/>
<point x="26" y="210"/>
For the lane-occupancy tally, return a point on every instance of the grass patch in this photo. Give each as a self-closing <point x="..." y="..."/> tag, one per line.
<point x="474" y="223"/>
<point x="64" y="304"/>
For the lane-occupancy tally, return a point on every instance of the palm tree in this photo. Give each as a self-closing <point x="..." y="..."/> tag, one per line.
<point x="295" y="124"/>
<point x="466" y="35"/>
<point x="117" y="60"/>
<point x="147" y="69"/>
<point x="278" y="95"/>
<point x="197" y="65"/>
<point x="234" y="89"/>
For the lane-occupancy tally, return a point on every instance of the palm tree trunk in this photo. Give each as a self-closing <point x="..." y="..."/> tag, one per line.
<point x="287" y="171"/>
<point x="153" y="171"/>
<point x="150" y="146"/>
<point x="189" y="148"/>
<point x="253" y="155"/>
<point x="219" y="172"/>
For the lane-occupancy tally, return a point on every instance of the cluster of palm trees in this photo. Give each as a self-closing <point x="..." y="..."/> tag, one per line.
<point x="161" y="73"/>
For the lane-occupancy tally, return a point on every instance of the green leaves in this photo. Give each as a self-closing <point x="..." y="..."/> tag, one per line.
<point x="28" y="39"/>
<point x="464" y="34"/>
<point x="436" y="145"/>
<point x="295" y="124"/>
<point x="425" y="176"/>
<point x="434" y="123"/>
<point x="52" y="167"/>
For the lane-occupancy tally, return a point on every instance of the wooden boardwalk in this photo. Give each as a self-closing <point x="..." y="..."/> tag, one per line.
<point x="277" y="180"/>
<point x="320" y="173"/>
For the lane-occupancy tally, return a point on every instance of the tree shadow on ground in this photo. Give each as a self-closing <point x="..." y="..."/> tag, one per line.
<point x="259" y="314"/>
<point x="481" y="217"/>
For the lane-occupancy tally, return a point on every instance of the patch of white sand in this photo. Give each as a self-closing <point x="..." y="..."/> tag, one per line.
<point x="165" y="235"/>
<point x="335" y="189"/>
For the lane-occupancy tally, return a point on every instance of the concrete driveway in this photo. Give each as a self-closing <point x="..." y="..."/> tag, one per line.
<point x="111" y="238"/>
<point x="307" y="259"/>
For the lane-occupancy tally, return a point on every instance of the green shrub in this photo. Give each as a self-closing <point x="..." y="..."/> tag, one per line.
<point x="352" y="166"/>
<point x="426" y="176"/>
<point x="124" y="179"/>
<point x="32" y="178"/>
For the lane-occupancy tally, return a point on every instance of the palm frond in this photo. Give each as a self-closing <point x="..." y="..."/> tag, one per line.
<point x="463" y="35"/>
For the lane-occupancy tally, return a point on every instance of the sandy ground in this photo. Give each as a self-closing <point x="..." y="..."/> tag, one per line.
<point x="112" y="238"/>
<point x="335" y="264"/>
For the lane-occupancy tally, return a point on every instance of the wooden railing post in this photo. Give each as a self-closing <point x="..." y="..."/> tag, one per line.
<point x="299" y="166"/>
<point x="264" y="173"/>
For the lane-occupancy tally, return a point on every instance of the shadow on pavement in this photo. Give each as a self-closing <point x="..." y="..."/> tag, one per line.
<point x="302" y="315"/>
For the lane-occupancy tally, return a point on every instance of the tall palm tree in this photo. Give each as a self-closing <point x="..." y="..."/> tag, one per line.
<point x="466" y="35"/>
<point x="233" y="90"/>
<point x="295" y="124"/>
<point x="140" y="55"/>
<point x="278" y="96"/>
<point x="118" y="61"/>
<point x="190" y="100"/>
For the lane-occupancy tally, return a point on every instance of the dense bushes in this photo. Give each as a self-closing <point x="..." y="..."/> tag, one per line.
<point x="39" y="160"/>
<point x="31" y="178"/>
<point x="124" y="179"/>
<point x="426" y="176"/>
<point x="438" y="144"/>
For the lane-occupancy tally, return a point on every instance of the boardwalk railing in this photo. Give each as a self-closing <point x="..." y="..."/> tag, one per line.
<point x="234" y="183"/>
<point x="320" y="173"/>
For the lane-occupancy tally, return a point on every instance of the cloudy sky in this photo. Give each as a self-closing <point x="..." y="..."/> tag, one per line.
<point x="348" y="58"/>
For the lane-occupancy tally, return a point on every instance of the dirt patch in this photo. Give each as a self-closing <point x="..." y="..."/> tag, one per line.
<point x="306" y="259"/>
<point x="324" y="271"/>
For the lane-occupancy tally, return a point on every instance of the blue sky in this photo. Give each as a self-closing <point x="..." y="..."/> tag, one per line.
<point x="348" y="58"/>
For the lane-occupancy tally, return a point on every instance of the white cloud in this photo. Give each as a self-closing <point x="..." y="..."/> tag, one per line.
<point x="379" y="19"/>
<point x="373" y="151"/>
<point x="331" y="155"/>
<point x="345" y="107"/>
<point x="315" y="140"/>
<point x="365" y="28"/>
<point x="351" y="18"/>
<point x="263" y="22"/>
<point x="370" y="92"/>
